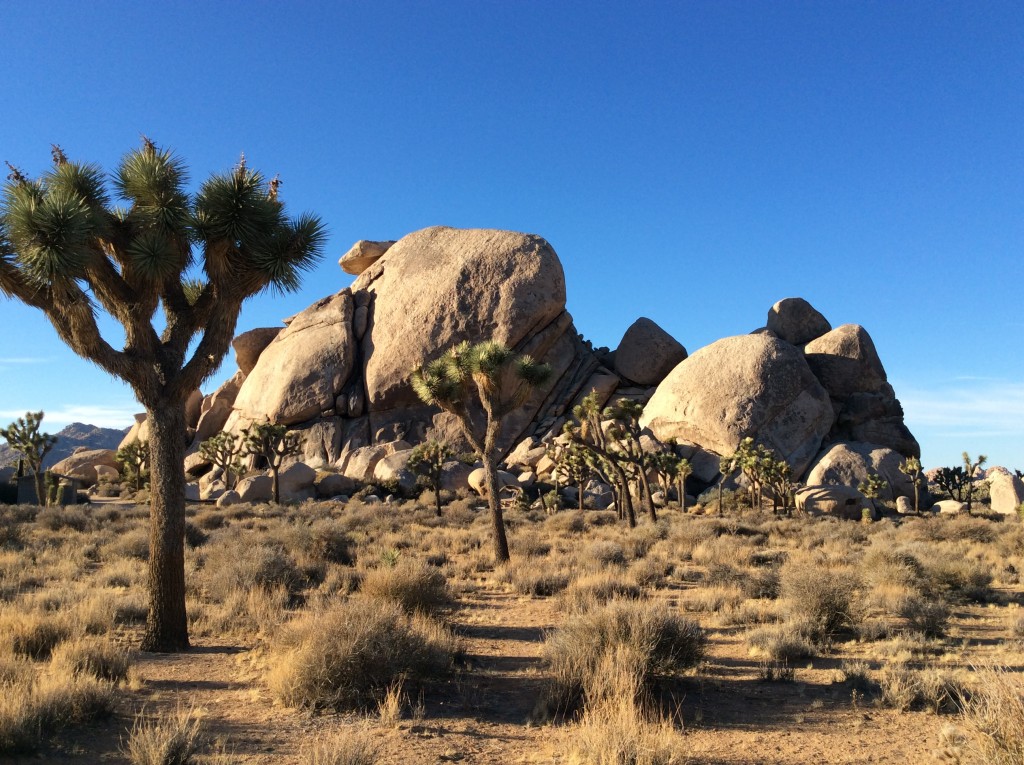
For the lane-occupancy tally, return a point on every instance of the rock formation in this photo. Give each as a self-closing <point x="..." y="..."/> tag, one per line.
<point x="339" y="371"/>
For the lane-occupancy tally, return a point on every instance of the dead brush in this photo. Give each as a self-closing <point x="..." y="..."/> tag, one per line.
<point x="343" y="746"/>
<point x="99" y="657"/>
<point x="818" y="597"/>
<point x="594" y="590"/>
<point x="34" y="633"/>
<point x="529" y="577"/>
<point x="992" y="719"/>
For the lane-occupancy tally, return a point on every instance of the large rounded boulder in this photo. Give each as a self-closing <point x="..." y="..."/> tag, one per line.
<point x="851" y="463"/>
<point x="84" y="463"/>
<point x="302" y="371"/>
<point x="750" y="385"/>
<point x="846" y="362"/>
<point x="439" y="286"/>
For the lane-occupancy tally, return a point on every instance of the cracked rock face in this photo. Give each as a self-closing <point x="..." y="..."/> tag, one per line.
<point x="302" y="371"/>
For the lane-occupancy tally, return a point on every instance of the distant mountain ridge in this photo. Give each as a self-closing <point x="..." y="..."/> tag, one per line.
<point x="75" y="435"/>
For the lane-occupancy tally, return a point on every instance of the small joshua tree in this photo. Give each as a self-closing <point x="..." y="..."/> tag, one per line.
<point x="572" y="463"/>
<point x="428" y="459"/>
<point x="492" y="375"/>
<point x="23" y="436"/>
<point x="872" y="488"/>
<point x="911" y="468"/>
<point x="591" y="436"/>
<point x="271" y="443"/>
<point x="133" y="459"/>
<point x="970" y="468"/>
<point x="223" y="451"/>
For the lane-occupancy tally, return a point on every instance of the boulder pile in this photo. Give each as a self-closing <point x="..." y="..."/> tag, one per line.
<point x="339" y="373"/>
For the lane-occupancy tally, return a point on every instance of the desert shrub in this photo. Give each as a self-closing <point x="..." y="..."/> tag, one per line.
<point x="818" y="598"/>
<point x="210" y="520"/>
<point x="713" y="599"/>
<point x="329" y="543"/>
<point x="594" y="590"/>
<point x="45" y="704"/>
<point x="346" y="655"/>
<point x="131" y="544"/>
<point x="785" y="642"/>
<point x="194" y="536"/>
<point x="904" y="688"/>
<point x="413" y="585"/>
<point x="57" y="518"/>
<point x="569" y="522"/>
<point x="960" y="577"/>
<point x="12" y="533"/>
<point x="651" y="571"/>
<point x="664" y="644"/>
<point x="167" y="740"/>
<point x="243" y="612"/>
<point x="342" y="747"/>
<point x="929" y="617"/>
<point x="602" y="554"/>
<point x="99" y="657"/>
<point x="993" y="719"/>
<point x="246" y="566"/>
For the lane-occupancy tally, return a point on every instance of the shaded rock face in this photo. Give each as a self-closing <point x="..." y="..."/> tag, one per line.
<point x="749" y="385"/>
<point x="796" y="321"/>
<point x="647" y="353"/>
<point x="850" y="464"/>
<point x="83" y="464"/>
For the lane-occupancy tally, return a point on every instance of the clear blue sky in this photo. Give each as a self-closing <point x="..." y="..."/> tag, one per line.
<point x="692" y="162"/>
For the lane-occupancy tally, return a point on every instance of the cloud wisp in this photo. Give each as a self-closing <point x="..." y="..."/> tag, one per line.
<point x="967" y="407"/>
<point x="119" y="415"/>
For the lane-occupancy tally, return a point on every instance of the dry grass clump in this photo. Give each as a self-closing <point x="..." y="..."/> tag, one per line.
<point x="528" y="577"/>
<point x="651" y="571"/>
<point x="347" y="654"/>
<point x="604" y="553"/>
<point x="34" y="633"/>
<point x="664" y="645"/>
<point x="240" y="564"/>
<point x="713" y="599"/>
<point x="57" y="518"/>
<point x="243" y="612"/>
<point x="992" y="720"/>
<point x="413" y="585"/>
<point x="594" y="590"/>
<point x="616" y="727"/>
<point x="784" y="642"/>
<point x="926" y="616"/>
<point x="95" y="656"/>
<point x="904" y="688"/>
<point x="32" y="705"/>
<point x="330" y="543"/>
<point x="342" y="747"/>
<point x="167" y="740"/>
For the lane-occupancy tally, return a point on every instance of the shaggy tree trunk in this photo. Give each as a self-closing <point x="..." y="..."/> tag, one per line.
<point x="167" y="625"/>
<point x="682" y="495"/>
<point x="437" y="492"/>
<point x="501" y="554"/>
<point x="645" y="487"/>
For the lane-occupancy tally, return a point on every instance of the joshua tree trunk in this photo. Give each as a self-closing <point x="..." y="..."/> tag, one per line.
<point x="645" y="487"/>
<point x="501" y="554"/>
<point x="167" y="625"/>
<point x="437" y="494"/>
<point x="274" y="470"/>
<point x="682" y="495"/>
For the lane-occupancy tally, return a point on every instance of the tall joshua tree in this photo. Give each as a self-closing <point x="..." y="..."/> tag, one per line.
<point x="493" y="375"/>
<point x="68" y="250"/>
<point x="23" y="436"/>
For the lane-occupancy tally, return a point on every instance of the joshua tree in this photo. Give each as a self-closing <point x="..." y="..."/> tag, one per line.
<point x="574" y="464"/>
<point x="271" y="443"/>
<point x="68" y="249"/>
<point x="624" y="434"/>
<point x="133" y="459"/>
<point x="223" y="451"/>
<point x="872" y="488"/>
<point x="970" y="468"/>
<point x="492" y="375"/>
<point x="953" y="481"/>
<point x="779" y="477"/>
<point x="23" y="436"/>
<point x="428" y="460"/>
<point x="911" y="468"/>
<point x="590" y="435"/>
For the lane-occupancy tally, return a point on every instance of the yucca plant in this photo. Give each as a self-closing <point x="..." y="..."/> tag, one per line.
<point x="488" y="376"/>
<point x="69" y="250"/>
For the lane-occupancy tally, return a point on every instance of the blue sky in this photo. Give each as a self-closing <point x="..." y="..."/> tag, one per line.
<point x="692" y="162"/>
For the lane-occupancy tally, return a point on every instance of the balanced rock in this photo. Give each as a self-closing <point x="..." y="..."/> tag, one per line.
<point x="249" y="345"/>
<point x="647" y="353"/>
<point x="851" y="463"/>
<point x="362" y="255"/>
<point x="1006" y="491"/>
<point x="846" y="362"/>
<point x="796" y="321"/>
<point x="749" y="385"/>
<point x="302" y="371"/>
